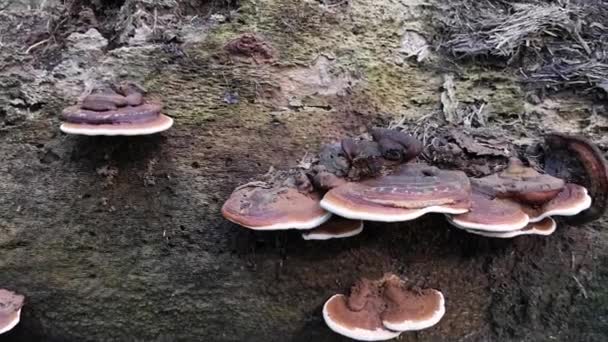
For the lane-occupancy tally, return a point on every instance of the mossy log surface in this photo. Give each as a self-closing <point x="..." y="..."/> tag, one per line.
<point x="121" y="238"/>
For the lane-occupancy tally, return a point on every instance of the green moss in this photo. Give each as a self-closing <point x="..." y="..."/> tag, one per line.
<point x="363" y="39"/>
<point x="496" y="88"/>
<point x="395" y="88"/>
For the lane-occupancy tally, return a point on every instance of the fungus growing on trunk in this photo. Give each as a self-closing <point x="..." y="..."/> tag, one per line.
<point x="410" y="310"/>
<point x="521" y="183"/>
<point x="335" y="228"/>
<point x="382" y="309"/>
<point x="510" y="200"/>
<point x="408" y="193"/>
<point x="491" y="214"/>
<point x="262" y="206"/>
<point x="10" y="309"/>
<point x="545" y="226"/>
<point x="362" y="325"/>
<point x="112" y="113"/>
<point x="579" y="161"/>
<point x="572" y="200"/>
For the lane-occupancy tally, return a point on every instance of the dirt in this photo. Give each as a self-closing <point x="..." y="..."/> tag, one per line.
<point x="120" y="239"/>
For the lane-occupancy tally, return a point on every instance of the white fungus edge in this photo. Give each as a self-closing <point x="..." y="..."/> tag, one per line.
<point x="357" y="333"/>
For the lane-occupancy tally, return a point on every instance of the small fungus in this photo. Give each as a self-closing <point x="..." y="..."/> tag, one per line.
<point x="545" y="226"/>
<point x="518" y="203"/>
<point x="491" y="214"/>
<point x="382" y="309"/>
<point x="115" y="113"/>
<point x="263" y="207"/>
<point x="521" y="183"/>
<point x="572" y="200"/>
<point x="410" y="310"/>
<point x="10" y="309"/>
<point x="408" y="193"/>
<point x="335" y="228"/>
<point x="580" y="161"/>
<point x="361" y="325"/>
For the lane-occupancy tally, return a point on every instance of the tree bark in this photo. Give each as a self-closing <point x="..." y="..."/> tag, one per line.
<point x="121" y="238"/>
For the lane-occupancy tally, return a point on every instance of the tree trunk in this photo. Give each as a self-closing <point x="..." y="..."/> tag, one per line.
<point x="121" y="238"/>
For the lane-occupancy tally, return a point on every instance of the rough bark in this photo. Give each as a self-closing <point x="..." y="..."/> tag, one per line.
<point x="122" y="238"/>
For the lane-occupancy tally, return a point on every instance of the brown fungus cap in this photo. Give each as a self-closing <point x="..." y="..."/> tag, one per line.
<point x="572" y="200"/>
<point x="358" y="315"/>
<point x="104" y="101"/>
<point x="123" y="115"/>
<point x="262" y="207"/>
<point x="545" y="227"/>
<point x="10" y="309"/>
<point x="115" y="113"/>
<point x="491" y="214"/>
<point x="521" y="183"/>
<point x="362" y="325"/>
<point x="382" y="309"/>
<point x="335" y="228"/>
<point x="579" y="161"/>
<point x="156" y="125"/>
<point x="410" y="310"/>
<point x="408" y="193"/>
<point x="132" y="92"/>
<point x="396" y="145"/>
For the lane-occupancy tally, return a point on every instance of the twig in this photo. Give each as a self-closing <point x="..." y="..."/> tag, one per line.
<point x="580" y="286"/>
<point x="44" y="41"/>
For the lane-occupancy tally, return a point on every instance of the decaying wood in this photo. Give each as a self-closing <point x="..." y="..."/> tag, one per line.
<point x="114" y="239"/>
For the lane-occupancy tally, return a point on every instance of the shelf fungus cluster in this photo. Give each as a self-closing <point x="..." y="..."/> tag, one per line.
<point x="383" y="309"/>
<point x="372" y="179"/>
<point x="346" y="180"/>
<point x="10" y="309"/>
<point x="519" y="201"/>
<point x="118" y="111"/>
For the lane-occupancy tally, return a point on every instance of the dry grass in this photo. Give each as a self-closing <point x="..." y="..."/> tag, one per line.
<point x="556" y="44"/>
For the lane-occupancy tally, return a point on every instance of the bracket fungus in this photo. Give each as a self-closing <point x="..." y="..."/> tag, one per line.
<point x="295" y="203"/>
<point x="521" y="183"/>
<point x="335" y="228"/>
<point x="408" y="193"/>
<point x="10" y="309"/>
<point x="411" y="310"/>
<point x="115" y="112"/>
<point x="580" y="161"/>
<point x="369" y="178"/>
<point x="572" y="200"/>
<point x="545" y="226"/>
<point x="491" y="214"/>
<point x="382" y="309"/>
<point x="262" y="206"/>
<point x="511" y="200"/>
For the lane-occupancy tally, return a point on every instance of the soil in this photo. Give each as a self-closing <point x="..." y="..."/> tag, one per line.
<point x="121" y="239"/>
